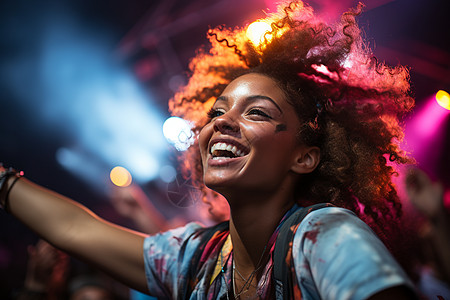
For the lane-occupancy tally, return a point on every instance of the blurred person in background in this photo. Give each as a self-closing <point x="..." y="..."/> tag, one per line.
<point x="48" y="277"/>
<point x="428" y="197"/>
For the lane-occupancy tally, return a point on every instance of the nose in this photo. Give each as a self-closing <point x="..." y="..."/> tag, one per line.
<point x="226" y="123"/>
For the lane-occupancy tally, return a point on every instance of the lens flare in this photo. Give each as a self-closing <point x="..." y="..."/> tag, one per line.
<point x="120" y="176"/>
<point x="443" y="99"/>
<point x="256" y="31"/>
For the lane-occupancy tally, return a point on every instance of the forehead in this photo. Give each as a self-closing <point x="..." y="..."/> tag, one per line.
<point x="255" y="84"/>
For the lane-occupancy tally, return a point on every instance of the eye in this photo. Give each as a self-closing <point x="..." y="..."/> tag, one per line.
<point x="214" y="113"/>
<point x="259" y="112"/>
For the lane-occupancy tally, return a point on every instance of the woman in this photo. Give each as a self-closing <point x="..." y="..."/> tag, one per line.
<point x="307" y="116"/>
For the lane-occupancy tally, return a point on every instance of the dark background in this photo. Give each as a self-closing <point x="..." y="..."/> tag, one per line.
<point x="153" y="41"/>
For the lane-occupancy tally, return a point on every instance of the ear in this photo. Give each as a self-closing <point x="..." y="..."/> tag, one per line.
<point x="306" y="159"/>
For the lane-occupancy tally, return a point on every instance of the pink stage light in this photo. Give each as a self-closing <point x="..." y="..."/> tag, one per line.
<point x="428" y="120"/>
<point x="425" y="131"/>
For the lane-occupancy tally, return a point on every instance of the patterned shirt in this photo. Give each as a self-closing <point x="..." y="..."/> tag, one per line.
<point x="335" y="256"/>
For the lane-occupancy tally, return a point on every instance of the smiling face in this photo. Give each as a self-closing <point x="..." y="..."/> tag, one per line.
<point x="250" y="143"/>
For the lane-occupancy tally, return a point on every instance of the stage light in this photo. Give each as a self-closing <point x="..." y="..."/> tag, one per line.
<point x="178" y="132"/>
<point x="256" y="31"/>
<point x="120" y="176"/>
<point x="443" y="99"/>
<point x="425" y="131"/>
<point x="92" y="100"/>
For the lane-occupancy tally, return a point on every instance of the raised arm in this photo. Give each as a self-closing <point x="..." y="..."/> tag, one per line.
<point x="73" y="228"/>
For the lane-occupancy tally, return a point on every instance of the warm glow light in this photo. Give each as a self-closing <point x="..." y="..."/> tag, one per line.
<point x="120" y="176"/>
<point x="443" y="98"/>
<point x="256" y="30"/>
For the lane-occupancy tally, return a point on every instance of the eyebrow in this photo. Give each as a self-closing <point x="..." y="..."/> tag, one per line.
<point x="252" y="98"/>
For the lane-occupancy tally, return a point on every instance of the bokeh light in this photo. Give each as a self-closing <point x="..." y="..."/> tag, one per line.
<point x="167" y="173"/>
<point x="120" y="176"/>
<point x="443" y="99"/>
<point x="178" y="132"/>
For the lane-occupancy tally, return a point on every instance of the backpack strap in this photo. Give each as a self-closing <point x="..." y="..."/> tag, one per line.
<point x="281" y="272"/>
<point x="205" y="234"/>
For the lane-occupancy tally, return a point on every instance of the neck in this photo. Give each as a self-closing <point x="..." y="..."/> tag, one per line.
<point x="253" y="220"/>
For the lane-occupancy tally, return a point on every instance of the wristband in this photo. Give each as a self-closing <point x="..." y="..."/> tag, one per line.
<point x="4" y="176"/>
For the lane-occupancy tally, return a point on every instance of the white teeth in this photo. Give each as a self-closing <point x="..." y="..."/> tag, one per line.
<point x="221" y="157"/>
<point x="227" y="147"/>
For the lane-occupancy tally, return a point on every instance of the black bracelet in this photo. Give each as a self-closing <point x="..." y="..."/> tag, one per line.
<point x="4" y="176"/>
<point x="6" y="206"/>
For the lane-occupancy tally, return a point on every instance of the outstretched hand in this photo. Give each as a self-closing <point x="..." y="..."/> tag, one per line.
<point x="424" y="194"/>
<point x="125" y="203"/>
<point x="131" y="202"/>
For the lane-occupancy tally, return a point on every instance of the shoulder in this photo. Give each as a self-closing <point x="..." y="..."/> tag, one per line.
<point x="343" y="257"/>
<point x="331" y="214"/>
<point x="336" y="228"/>
<point x="329" y="224"/>
<point x="167" y="256"/>
<point x="330" y="219"/>
<point x="169" y="241"/>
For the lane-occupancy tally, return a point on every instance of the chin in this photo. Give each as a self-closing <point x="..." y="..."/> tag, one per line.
<point x="221" y="187"/>
<point x="220" y="178"/>
<point x="217" y="186"/>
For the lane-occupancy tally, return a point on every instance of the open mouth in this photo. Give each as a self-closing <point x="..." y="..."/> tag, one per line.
<point x="223" y="150"/>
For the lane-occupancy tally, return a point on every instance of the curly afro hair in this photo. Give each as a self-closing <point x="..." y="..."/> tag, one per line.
<point x="349" y="103"/>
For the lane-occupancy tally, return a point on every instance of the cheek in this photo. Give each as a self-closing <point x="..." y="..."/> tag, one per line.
<point x="268" y="137"/>
<point x="257" y="133"/>
<point x="274" y="148"/>
<point x="203" y="139"/>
